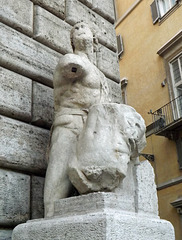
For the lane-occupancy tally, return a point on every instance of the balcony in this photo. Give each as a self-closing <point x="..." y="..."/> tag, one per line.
<point x="167" y="120"/>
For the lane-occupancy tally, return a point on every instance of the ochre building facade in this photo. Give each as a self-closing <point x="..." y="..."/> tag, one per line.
<point x="151" y="75"/>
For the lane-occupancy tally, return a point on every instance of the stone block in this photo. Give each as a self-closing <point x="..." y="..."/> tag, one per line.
<point x="23" y="146"/>
<point x="43" y="105"/>
<point x="104" y="30"/>
<point x="147" y="202"/>
<point x="57" y="7"/>
<point x="88" y="204"/>
<point x="5" y="234"/>
<point x="15" y="95"/>
<point x="55" y="35"/>
<point x="18" y="14"/>
<point x="107" y="62"/>
<point x="104" y="221"/>
<point x="105" y="8"/>
<point x="37" y="193"/>
<point x="26" y="56"/>
<point x="14" y="198"/>
<point x="115" y="94"/>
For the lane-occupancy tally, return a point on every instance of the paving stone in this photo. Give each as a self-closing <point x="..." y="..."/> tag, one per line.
<point x="57" y="7"/>
<point x="17" y="14"/>
<point x="107" y="62"/>
<point x="37" y="194"/>
<point x="26" y="56"/>
<point x="15" y="95"/>
<point x="114" y="91"/>
<point x="105" y="8"/>
<point x="14" y="198"/>
<point x="23" y="146"/>
<point x="76" y="11"/>
<point x="43" y="105"/>
<point x="56" y="34"/>
<point x="5" y="234"/>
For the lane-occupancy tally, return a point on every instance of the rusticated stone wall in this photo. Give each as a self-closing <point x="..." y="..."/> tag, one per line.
<point x="33" y="36"/>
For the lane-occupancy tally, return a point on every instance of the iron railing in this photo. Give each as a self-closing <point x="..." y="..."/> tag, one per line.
<point x="168" y="114"/>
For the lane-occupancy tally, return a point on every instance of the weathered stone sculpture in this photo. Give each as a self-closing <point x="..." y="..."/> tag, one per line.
<point x="112" y="135"/>
<point x="90" y="153"/>
<point x="78" y="84"/>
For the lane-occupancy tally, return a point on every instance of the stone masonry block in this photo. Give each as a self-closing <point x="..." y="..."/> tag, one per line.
<point x="114" y="91"/>
<point x="15" y="95"/>
<point x="104" y="30"/>
<point x="26" y="56"/>
<point x="56" y="34"/>
<point x="147" y="202"/>
<point x="14" y="198"/>
<point x="5" y="234"/>
<point x="23" y="146"/>
<point x="98" y="217"/>
<point x="57" y="7"/>
<point x="37" y="194"/>
<point x="105" y="8"/>
<point x="18" y="14"/>
<point x="43" y="105"/>
<point x="107" y="62"/>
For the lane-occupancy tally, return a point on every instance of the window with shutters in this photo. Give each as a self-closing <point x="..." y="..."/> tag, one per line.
<point x="160" y="7"/>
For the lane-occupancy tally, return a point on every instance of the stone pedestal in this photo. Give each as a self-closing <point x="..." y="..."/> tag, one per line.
<point x="94" y="216"/>
<point x="129" y="213"/>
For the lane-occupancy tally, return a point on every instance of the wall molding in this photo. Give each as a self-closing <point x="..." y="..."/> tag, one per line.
<point x="169" y="183"/>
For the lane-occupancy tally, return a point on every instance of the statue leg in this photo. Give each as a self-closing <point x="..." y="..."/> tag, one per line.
<point x="57" y="183"/>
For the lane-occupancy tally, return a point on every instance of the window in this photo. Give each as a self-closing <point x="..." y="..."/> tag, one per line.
<point x="165" y="6"/>
<point x="176" y="76"/>
<point x="171" y="52"/>
<point x="160" y="7"/>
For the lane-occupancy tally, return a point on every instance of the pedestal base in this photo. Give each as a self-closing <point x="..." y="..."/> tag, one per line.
<point x="101" y="219"/>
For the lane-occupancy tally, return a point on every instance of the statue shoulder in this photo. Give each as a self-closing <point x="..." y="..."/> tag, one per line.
<point x="69" y="58"/>
<point x="70" y="66"/>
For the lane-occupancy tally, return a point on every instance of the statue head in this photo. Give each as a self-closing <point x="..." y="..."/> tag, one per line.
<point x="82" y="37"/>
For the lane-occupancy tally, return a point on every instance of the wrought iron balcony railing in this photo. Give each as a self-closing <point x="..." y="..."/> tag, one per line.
<point x="168" y="117"/>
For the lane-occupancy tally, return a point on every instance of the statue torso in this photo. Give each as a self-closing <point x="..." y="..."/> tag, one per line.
<point x="81" y="91"/>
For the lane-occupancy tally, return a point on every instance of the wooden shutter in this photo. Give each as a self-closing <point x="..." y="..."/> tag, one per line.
<point x="120" y="45"/>
<point x="155" y="11"/>
<point x="179" y="151"/>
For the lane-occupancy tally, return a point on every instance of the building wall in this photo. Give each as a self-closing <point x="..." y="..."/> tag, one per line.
<point x="34" y="35"/>
<point x="145" y="71"/>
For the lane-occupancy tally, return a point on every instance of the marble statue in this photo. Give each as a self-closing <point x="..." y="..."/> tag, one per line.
<point x="113" y="135"/>
<point x="92" y="140"/>
<point x="78" y="84"/>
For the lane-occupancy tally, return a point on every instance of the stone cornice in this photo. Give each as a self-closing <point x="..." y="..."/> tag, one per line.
<point x="162" y="51"/>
